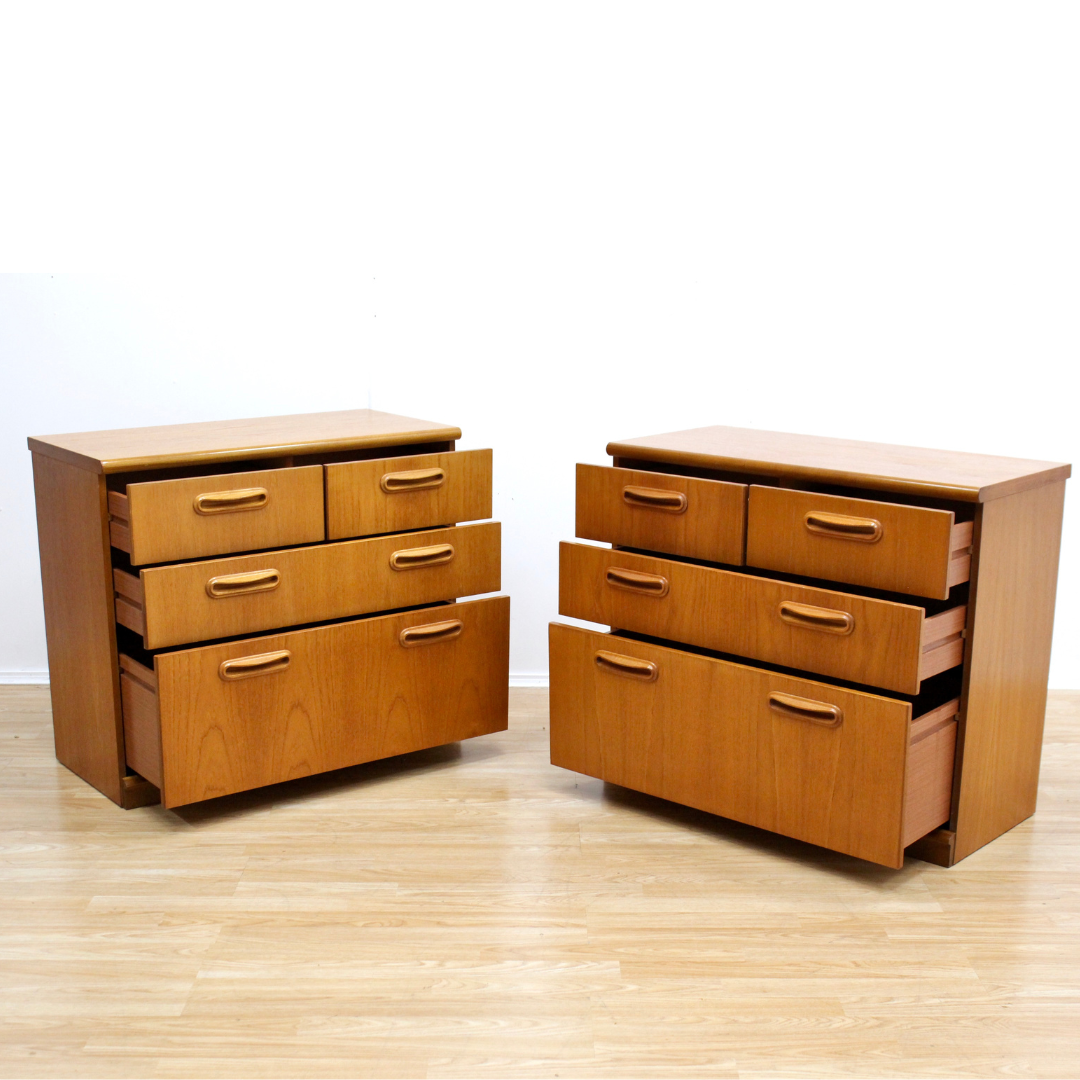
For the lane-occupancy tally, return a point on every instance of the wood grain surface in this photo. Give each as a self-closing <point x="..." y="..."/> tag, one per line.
<point x="358" y="505"/>
<point x="738" y="613"/>
<point x="702" y="733"/>
<point x="711" y="525"/>
<point x="946" y="474"/>
<point x="76" y="582"/>
<point x="326" y="581"/>
<point x="350" y="693"/>
<point x="472" y="911"/>
<point x="913" y="553"/>
<point x="163" y="525"/>
<point x="132" y="449"/>
<point x="1018" y="542"/>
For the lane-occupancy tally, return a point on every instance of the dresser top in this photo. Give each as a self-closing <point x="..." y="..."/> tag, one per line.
<point x="945" y="474"/>
<point x="132" y="449"/>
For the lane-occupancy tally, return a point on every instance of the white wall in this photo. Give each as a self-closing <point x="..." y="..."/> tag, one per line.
<point x="552" y="226"/>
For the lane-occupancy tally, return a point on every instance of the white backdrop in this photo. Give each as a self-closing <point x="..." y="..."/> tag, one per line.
<point x="550" y="225"/>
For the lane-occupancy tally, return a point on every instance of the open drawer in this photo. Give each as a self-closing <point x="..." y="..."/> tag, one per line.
<point x="682" y="515"/>
<point x="167" y="520"/>
<point x="225" y="718"/>
<point x="881" y="545"/>
<point x="849" y="770"/>
<point x="365" y="498"/>
<point x="245" y="594"/>
<point x="861" y="639"/>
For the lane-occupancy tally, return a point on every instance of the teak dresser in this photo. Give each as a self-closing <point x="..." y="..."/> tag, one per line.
<point x="842" y="642"/>
<point x="234" y="604"/>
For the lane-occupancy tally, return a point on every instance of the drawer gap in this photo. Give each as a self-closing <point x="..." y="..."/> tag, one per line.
<point x="134" y="647"/>
<point x="142" y="721"/>
<point x="128" y="597"/>
<point x="931" y="605"/>
<point x="933" y="693"/>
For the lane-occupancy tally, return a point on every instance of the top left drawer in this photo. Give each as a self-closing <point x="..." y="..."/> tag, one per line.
<point x="167" y="520"/>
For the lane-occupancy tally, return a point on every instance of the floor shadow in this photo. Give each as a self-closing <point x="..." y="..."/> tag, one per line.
<point x="434" y="759"/>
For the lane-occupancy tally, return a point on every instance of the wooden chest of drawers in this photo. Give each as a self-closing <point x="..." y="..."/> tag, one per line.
<point x="843" y="642"/>
<point x="230" y="605"/>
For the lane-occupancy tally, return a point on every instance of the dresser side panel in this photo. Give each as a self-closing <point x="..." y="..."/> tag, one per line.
<point x="1015" y="583"/>
<point x="76" y="582"/>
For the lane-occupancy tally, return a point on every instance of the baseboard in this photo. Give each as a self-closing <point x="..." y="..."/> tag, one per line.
<point x="24" y="678"/>
<point x="520" y="679"/>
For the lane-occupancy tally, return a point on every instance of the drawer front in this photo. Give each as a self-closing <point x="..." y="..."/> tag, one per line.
<point x="256" y="712"/>
<point x="167" y="520"/>
<point x="857" y="638"/>
<point x="798" y="757"/>
<point x="243" y="595"/>
<point x="702" y="519"/>
<point x="908" y="549"/>
<point x="364" y="498"/>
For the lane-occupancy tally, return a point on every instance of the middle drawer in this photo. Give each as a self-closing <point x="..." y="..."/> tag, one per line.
<point x="217" y="598"/>
<point x="857" y="638"/>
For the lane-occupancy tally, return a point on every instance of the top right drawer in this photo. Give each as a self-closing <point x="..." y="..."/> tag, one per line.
<point x="907" y="549"/>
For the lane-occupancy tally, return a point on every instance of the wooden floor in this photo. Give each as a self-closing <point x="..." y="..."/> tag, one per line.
<point x="474" y="912"/>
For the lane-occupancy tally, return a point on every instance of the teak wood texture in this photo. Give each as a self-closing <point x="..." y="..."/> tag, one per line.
<point x="702" y="732"/>
<point x="73" y="543"/>
<point x="1018" y="543"/>
<point x="169" y="520"/>
<point x="172" y="498"/>
<point x="349" y="693"/>
<point x="881" y="545"/>
<point x="310" y="584"/>
<point x="882" y="643"/>
<point x="946" y="474"/>
<point x="916" y="539"/>
<point x="134" y="449"/>
<point x="423" y="491"/>
<point x="702" y="519"/>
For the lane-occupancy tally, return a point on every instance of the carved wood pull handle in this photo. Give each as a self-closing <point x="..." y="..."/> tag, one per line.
<point x="674" y="502"/>
<point x="430" y="633"/>
<point x="413" y="480"/>
<point x="418" y="558"/>
<point x="868" y="530"/>
<point x="228" y="502"/>
<point x="241" y="584"/>
<point x="637" y="582"/>
<point x="247" y="667"/>
<point x="816" y="618"/>
<point x="800" y="708"/>
<point x="630" y="666"/>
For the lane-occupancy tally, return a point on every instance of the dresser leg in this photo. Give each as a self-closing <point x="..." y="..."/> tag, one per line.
<point x="138" y="792"/>
<point x="938" y="847"/>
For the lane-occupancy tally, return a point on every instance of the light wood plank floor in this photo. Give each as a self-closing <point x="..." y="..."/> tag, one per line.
<point x="474" y="912"/>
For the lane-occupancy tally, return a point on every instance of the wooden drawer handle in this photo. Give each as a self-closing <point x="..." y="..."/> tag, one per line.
<point x="630" y="666"/>
<point x="247" y="667"/>
<point x="637" y="582"/>
<point x="800" y="708"/>
<point x="816" y="618"/>
<point x="867" y="530"/>
<point x="241" y="584"/>
<point x="414" y="480"/>
<point x="674" y="502"/>
<point x="418" y="558"/>
<point x="430" y="633"/>
<point x="228" y="502"/>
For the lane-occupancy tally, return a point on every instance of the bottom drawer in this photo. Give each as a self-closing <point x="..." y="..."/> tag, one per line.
<point x="223" y="718"/>
<point x="845" y="769"/>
